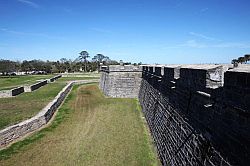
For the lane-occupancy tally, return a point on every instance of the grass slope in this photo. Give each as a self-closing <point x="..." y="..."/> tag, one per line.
<point x="9" y="82"/>
<point x="88" y="129"/>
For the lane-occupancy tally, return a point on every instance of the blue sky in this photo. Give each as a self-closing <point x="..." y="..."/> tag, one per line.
<point x="148" y="31"/>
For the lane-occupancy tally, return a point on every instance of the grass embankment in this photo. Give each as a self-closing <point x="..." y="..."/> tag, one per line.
<point x="26" y="105"/>
<point x="88" y="129"/>
<point x="9" y="82"/>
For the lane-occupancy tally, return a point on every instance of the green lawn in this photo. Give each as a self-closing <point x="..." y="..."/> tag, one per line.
<point x="9" y="82"/>
<point x="77" y="78"/>
<point x="90" y="130"/>
<point x="26" y="105"/>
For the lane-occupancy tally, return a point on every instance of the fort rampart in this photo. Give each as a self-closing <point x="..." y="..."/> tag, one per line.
<point x="121" y="81"/>
<point x="197" y="114"/>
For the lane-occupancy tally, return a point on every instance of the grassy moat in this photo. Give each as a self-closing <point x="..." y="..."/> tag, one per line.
<point x="88" y="129"/>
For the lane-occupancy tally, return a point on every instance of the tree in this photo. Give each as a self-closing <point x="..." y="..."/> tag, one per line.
<point x="234" y="61"/>
<point x="83" y="56"/>
<point x="247" y="57"/>
<point x="7" y="66"/>
<point x="26" y="66"/>
<point x="99" y="58"/>
<point x="241" y="59"/>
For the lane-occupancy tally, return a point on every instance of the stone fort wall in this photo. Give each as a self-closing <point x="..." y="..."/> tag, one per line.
<point x="121" y="81"/>
<point x="197" y="114"/>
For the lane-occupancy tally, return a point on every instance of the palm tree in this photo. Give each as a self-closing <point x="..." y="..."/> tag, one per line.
<point x="99" y="58"/>
<point x="83" y="56"/>
<point x="247" y="57"/>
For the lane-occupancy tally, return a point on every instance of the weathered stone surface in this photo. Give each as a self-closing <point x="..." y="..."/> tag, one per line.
<point x="26" y="88"/>
<point x="12" y="92"/>
<point x="54" y="78"/>
<point x="19" y="130"/>
<point x="14" y="132"/>
<point x="35" y="86"/>
<point x="197" y="114"/>
<point x="121" y="81"/>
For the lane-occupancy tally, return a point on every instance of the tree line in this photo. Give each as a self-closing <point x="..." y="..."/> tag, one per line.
<point x="243" y="59"/>
<point x="81" y="63"/>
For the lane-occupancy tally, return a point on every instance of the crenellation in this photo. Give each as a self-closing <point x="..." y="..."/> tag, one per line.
<point x="158" y="71"/>
<point x="197" y="114"/>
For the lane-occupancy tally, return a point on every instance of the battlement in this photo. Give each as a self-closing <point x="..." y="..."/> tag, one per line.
<point x="197" y="114"/>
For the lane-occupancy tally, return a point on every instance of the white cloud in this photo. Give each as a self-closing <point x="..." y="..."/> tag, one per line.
<point x="29" y="3"/>
<point x="193" y="43"/>
<point x="232" y="45"/>
<point x="196" y="44"/>
<point x="204" y="10"/>
<point x="67" y="10"/>
<point x="29" y="34"/>
<point x="201" y="36"/>
<point x="100" y="30"/>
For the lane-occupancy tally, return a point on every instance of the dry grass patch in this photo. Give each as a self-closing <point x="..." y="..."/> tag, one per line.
<point x="88" y="130"/>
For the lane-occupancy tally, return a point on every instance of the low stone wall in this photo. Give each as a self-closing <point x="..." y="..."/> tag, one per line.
<point x="19" y="130"/>
<point x="12" y="92"/>
<point x="54" y="78"/>
<point x="35" y="86"/>
<point x="14" y="132"/>
<point x="17" y="91"/>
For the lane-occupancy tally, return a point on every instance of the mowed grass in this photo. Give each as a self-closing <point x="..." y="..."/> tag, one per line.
<point x="26" y="105"/>
<point x="77" y="78"/>
<point x="9" y="82"/>
<point x="90" y="130"/>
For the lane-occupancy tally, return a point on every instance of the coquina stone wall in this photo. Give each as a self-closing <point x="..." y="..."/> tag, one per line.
<point x="120" y="81"/>
<point x="54" y="78"/>
<point x="197" y="114"/>
<point x="12" y="92"/>
<point x="30" y="88"/>
<point x="14" y="132"/>
<point x="19" y="130"/>
<point x="27" y="88"/>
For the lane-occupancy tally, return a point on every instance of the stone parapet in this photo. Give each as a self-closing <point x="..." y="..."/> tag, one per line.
<point x="197" y="114"/>
<point x="200" y="117"/>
